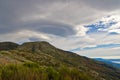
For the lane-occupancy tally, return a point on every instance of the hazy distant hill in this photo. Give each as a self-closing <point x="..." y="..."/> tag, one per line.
<point x="110" y="61"/>
<point x="42" y="61"/>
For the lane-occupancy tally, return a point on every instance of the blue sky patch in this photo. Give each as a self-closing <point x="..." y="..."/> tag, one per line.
<point x="99" y="26"/>
<point x="98" y="46"/>
<point x="113" y="33"/>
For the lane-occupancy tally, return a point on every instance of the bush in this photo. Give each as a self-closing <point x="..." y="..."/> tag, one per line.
<point x="31" y="65"/>
<point x="32" y="71"/>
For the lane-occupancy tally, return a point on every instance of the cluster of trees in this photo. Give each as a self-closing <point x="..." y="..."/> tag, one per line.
<point x="32" y="71"/>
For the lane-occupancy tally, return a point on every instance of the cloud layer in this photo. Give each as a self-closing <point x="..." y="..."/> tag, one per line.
<point x="67" y="24"/>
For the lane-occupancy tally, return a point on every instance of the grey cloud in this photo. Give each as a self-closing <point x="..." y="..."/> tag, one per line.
<point x="59" y="30"/>
<point x="32" y="39"/>
<point x="107" y="5"/>
<point x="18" y="15"/>
<point x="49" y="27"/>
<point x="13" y="10"/>
<point x="35" y="20"/>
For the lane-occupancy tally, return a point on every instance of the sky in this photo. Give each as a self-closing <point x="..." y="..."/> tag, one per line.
<point x="87" y="27"/>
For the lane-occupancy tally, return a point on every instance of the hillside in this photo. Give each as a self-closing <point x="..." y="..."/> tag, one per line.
<point x="46" y="62"/>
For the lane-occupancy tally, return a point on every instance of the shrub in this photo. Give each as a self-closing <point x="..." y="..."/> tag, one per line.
<point x="32" y="71"/>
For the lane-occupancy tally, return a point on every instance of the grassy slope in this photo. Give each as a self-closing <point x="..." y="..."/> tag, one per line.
<point x="44" y="54"/>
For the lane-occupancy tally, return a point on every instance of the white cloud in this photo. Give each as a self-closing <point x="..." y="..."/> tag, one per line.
<point x="23" y="36"/>
<point x="106" y="53"/>
<point x="28" y="34"/>
<point x="115" y="28"/>
<point x="109" y="25"/>
<point x="118" y="62"/>
<point x="72" y="15"/>
<point x="81" y="30"/>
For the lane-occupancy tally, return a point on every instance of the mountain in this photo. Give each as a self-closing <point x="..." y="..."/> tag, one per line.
<point x="110" y="61"/>
<point x="43" y="61"/>
<point x="8" y="45"/>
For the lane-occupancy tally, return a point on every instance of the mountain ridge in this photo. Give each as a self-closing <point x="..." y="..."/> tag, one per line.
<point x="44" y="54"/>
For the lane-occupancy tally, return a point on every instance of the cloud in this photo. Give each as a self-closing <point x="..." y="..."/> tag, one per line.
<point x="49" y="27"/>
<point x="92" y="47"/>
<point x="24" y="35"/>
<point x="107" y="5"/>
<point x="67" y="24"/>
<point x="75" y="12"/>
<point x="108" y="53"/>
<point x="115" y="28"/>
<point x="81" y="30"/>
<point x="112" y="24"/>
<point x="14" y="13"/>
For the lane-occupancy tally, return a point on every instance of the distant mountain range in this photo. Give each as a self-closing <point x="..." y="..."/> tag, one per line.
<point x="113" y="62"/>
<point x="50" y="63"/>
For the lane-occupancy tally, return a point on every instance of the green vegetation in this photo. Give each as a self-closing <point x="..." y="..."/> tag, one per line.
<point x="42" y="61"/>
<point x="32" y="71"/>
